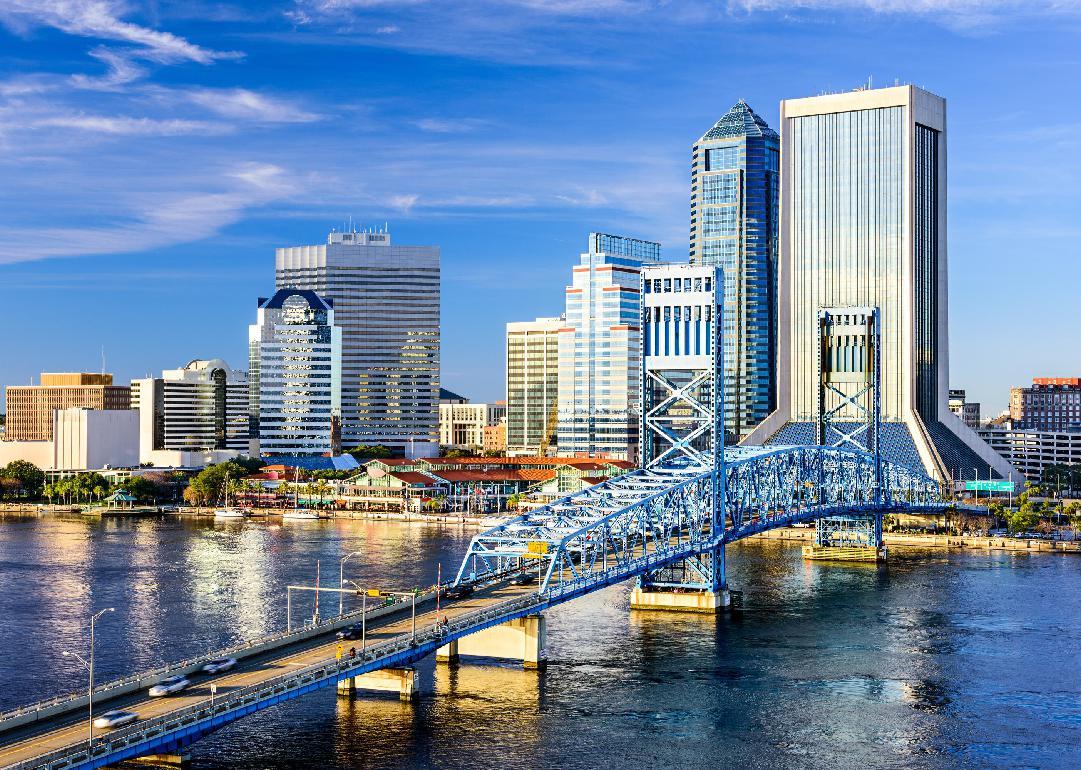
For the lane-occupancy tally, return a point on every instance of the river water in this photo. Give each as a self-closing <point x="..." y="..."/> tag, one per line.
<point x="940" y="659"/>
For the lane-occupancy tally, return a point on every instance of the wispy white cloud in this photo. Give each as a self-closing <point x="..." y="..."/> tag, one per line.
<point x="243" y="104"/>
<point x="101" y="19"/>
<point x="122" y="125"/>
<point x="120" y="71"/>
<point x="159" y="221"/>
<point x="449" y="126"/>
<point x="963" y="14"/>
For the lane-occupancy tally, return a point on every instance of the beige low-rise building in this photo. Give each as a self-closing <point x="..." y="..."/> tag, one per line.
<point x="461" y="426"/>
<point x="30" y="408"/>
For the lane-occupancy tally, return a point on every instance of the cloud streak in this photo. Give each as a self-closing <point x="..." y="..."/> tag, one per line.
<point x="157" y="223"/>
<point x="101" y="19"/>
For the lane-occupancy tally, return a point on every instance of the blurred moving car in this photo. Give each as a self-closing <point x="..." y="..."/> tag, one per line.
<point x="169" y="686"/>
<point x="115" y="718"/>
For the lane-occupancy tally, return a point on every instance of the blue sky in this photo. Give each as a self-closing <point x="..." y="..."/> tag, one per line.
<point x="152" y="155"/>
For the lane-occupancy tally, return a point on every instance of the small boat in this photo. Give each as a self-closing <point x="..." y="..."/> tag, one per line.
<point x="232" y="512"/>
<point x="299" y="514"/>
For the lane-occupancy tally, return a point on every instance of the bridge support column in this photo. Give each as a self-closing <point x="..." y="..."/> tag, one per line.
<point x="400" y="680"/>
<point x="680" y="600"/>
<point x="693" y="585"/>
<point x="448" y="653"/>
<point x="847" y="538"/>
<point x="160" y="760"/>
<point x="520" y="639"/>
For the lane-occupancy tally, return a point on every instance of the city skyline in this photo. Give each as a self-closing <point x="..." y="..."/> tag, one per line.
<point x="261" y="154"/>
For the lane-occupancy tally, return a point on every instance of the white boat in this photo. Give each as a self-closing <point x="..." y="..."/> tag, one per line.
<point x="232" y="512"/>
<point x="298" y="514"/>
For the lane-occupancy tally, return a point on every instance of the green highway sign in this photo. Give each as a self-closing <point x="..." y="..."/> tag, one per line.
<point x="989" y="486"/>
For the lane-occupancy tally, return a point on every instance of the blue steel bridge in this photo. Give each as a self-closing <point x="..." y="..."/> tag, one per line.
<point x="666" y="526"/>
<point x="663" y="525"/>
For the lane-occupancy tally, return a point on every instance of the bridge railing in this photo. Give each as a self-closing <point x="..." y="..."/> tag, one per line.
<point x="159" y="731"/>
<point x="124" y="684"/>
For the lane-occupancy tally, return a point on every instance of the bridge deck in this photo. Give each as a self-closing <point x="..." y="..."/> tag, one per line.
<point x="70" y="729"/>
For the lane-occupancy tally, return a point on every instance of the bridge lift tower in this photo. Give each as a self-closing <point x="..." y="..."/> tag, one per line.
<point x="682" y="416"/>
<point x="849" y="416"/>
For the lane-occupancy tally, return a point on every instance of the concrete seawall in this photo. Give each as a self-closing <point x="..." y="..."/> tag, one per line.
<point x="902" y="540"/>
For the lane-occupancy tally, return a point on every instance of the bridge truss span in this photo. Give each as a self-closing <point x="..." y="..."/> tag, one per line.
<point x="649" y="519"/>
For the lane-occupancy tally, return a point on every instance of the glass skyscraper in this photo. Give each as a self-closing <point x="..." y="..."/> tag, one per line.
<point x="734" y="191"/>
<point x="600" y="349"/>
<point x="386" y="301"/>
<point x="864" y="230"/>
<point x="294" y="352"/>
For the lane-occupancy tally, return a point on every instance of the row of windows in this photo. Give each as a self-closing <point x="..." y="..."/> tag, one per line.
<point x="668" y="285"/>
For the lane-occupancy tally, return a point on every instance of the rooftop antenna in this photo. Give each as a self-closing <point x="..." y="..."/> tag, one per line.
<point x="103" y="359"/>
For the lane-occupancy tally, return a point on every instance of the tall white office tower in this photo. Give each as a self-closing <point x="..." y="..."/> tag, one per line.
<point x="863" y="353"/>
<point x="295" y="353"/>
<point x="386" y="301"/>
<point x="600" y="349"/>
<point x="532" y="385"/>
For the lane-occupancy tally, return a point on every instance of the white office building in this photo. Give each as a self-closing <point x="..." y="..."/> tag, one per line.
<point x="532" y="385"/>
<point x="294" y="380"/>
<point x="386" y="302"/>
<point x="600" y="349"/>
<point x="862" y="283"/>
<point x="192" y="415"/>
<point x="461" y="426"/>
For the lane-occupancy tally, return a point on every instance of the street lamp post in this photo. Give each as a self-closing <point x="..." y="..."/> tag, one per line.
<point x="89" y="665"/>
<point x="976" y="486"/>
<point x="341" y="579"/>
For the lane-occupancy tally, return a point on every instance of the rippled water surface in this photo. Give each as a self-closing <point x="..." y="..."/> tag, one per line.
<point x="963" y="659"/>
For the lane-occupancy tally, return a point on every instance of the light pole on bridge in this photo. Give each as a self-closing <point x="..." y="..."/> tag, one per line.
<point x="89" y="666"/>
<point x="341" y="579"/>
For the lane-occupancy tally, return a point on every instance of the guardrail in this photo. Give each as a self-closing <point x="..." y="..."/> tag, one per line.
<point x="122" y="744"/>
<point x="125" y="685"/>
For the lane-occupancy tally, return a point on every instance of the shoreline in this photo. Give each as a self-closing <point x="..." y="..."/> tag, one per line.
<point x="910" y="540"/>
<point x="798" y="534"/>
<point x="261" y="514"/>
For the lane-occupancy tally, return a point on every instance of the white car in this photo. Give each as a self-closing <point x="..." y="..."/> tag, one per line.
<point x="169" y="686"/>
<point x="218" y="666"/>
<point x="115" y="718"/>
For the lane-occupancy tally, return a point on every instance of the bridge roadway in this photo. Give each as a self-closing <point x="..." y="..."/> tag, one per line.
<point x="69" y="729"/>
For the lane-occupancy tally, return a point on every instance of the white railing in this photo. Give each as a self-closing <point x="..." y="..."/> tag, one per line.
<point x="373" y="658"/>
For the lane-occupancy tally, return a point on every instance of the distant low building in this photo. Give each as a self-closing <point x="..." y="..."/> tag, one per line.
<point x="1031" y="451"/>
<point x="968" y="411"/>
<point x="30" y="408"/>
<point x="1050" y="404"/>
<point x="83" y="440"/>
<point x="470" y="484"/>
<point x="495" y="438"/>
<point x="450" y="397"/>
<point x="461" y="426"/>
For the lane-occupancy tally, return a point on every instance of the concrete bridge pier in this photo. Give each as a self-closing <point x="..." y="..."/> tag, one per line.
<point x="848" y="538"/>
<point x="519" y="639"/>
<point x="693" y="585"/>
<point x="400" y="680"/>
<point x="177" y="760"/>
